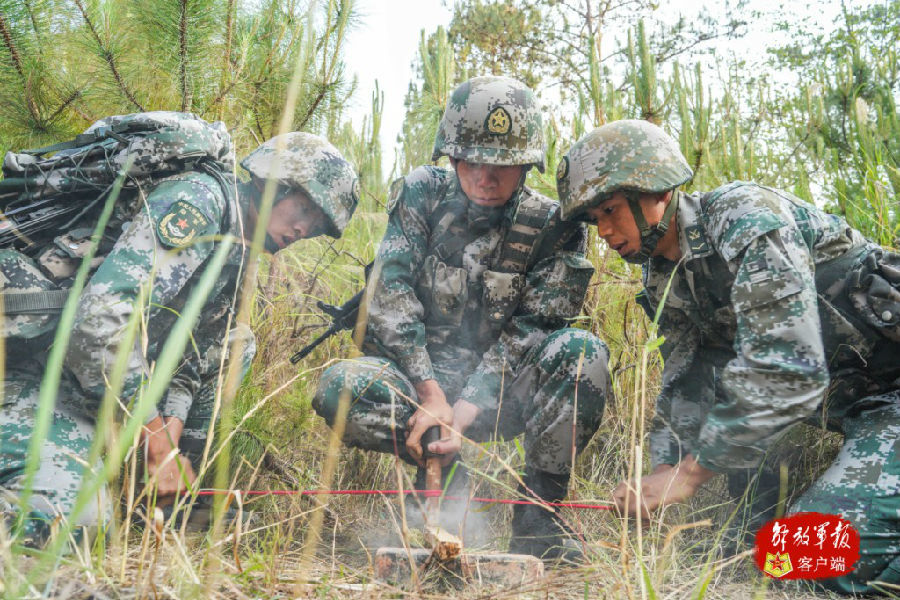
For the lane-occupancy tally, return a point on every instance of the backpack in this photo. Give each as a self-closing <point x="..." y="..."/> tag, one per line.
<point x="42" y="197"/>
<point x="40" y="194"/>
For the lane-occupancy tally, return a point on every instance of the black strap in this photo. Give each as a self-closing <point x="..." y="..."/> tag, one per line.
<point x="448" y="235"/>
<point x="17" y="303"/>
<point x="524" y="234"/>
<point x="83" y="139"/>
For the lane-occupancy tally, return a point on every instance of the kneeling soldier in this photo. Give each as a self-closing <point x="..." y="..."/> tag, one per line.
<point x="474" y="282"/>
<point x="777" y="313"/>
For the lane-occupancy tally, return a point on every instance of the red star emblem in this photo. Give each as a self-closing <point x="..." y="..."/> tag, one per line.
<point x="777" y="563"/>
<point x="182" y="223"/>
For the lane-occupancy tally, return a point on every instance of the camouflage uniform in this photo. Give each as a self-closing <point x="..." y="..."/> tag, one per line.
<point x="458" y="321"/>
<point x="777" y="313"/>
<point x="762" y="308"/>
<point x="166" y="238"/>
<point x="104" y="309"/>
<point x="477" y="298"/>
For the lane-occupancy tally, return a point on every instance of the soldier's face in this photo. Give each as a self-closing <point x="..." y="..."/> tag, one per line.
<point x="616" y="225"/>
<point x="295" y="217"/>
<point x="488" y="185"/>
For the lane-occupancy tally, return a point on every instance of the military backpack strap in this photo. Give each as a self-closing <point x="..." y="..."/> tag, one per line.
<point x="523" y="237"/>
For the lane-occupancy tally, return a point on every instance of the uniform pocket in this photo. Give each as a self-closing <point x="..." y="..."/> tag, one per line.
<point x="31" y="302"/>
<point x="448" y="290"/>
<point x="874" y="292"/>
<point x="502" y="293"/>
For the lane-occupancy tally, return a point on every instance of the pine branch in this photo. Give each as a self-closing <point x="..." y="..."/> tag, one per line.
<point x="20" y="69"/>
<point x="182" y="56"/>
<point x="72" y="98"/>
<point x="312" y="107"/>
<point x="108" y="57"/>
<point x="11" y="46"/>
<point x="224" y="85"/>
<point x="34" y="24"/>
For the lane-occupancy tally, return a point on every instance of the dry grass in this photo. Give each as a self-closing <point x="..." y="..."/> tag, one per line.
<point x="280" y="444"/>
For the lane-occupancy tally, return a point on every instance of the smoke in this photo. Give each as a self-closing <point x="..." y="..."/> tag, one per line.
<point x="460" y="517"/>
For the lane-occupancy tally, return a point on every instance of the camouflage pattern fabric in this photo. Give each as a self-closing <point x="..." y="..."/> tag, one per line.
<point x="166" y="140"/>
<point x="194" y="207"/>
<point x="18" y="274"/>
<point x="59" y="476"/>
<point x="309" y="162"/>
<point x="539" y="400"/>
<point x="461" y="321"/>
<point x="763" y="331"/>
<point x="492" y="120"/>
<point x="862" y="485"/>
<point x="630" y="154"/>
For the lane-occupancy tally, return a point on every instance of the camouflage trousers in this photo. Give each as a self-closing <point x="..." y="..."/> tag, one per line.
<point x="863" y="485"/>
<point x="63" y="467"/>
<point x="542" y="399"/>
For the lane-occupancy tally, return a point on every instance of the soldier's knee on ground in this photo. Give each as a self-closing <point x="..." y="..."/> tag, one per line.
<point x="46" y="517"/>
<point x="862" y="486"/>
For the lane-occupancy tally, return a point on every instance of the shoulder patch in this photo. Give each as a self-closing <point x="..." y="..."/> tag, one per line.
<point x="395" y="193"/>
<point x="696" y="239"/>
<point x="181" y="224"/>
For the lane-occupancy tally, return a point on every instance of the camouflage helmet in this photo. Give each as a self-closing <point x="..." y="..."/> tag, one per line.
<point x="312" y="164"/>
<point x="623" y="155"/>
<point x="492" y="120"/>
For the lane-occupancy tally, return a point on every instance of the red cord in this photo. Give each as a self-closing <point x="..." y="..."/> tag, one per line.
<point x="425" y="493"/>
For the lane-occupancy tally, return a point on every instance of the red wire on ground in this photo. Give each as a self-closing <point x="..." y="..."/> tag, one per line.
<point x="425" y="493"/>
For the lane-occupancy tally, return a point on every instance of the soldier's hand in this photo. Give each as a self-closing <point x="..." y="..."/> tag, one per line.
<point x="464" y="414"/>
<point x="666" y="485"/>
<point x="170" y="472"/>
<point x="433" y="410"/>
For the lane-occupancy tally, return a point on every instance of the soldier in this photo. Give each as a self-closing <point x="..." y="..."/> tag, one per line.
<point x="473" y="285"/>
<point x="777" y="313"/>
<point x="164" y="246"/>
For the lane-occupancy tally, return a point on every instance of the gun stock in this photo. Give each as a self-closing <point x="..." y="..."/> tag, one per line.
<point x="343" y="318"/>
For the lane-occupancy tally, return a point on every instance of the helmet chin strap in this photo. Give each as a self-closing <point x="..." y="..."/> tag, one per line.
<point x="650" y="234"/>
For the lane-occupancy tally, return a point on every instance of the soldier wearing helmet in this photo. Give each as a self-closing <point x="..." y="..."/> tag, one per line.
<point x="318" y="185"/>
<point x="776" y="313"/>
<point x="475" y="282"/>
<point x="160" y="241"/>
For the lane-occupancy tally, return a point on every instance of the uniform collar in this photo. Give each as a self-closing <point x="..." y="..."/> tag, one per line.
<point x="493" y="216"/>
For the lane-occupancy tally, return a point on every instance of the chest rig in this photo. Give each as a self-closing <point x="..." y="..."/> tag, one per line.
<point x="503" y="281"/>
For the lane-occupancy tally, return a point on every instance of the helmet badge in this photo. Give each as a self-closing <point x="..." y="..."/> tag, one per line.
<point x="498" y="121"/>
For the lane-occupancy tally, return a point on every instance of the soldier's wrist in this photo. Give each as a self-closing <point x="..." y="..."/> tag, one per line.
<point x="464" y="414"/>
<point x="695" y="472"/>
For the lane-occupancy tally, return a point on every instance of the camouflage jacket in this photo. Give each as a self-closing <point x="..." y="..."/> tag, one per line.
<point x="463" y="321"/>
<point x="749" y="350"/>
<point x="165" y="246"/>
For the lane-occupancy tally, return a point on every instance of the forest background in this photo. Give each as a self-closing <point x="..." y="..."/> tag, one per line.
<point x="815" y="115"/>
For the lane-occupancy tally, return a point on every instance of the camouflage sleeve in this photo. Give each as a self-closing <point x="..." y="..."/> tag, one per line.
<point x="554" y="292"/>
<point x="395" y="312"/>
<point x="147" y="253"/>
<point x="779" y="375"/>
<point x="686" y="381"/>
